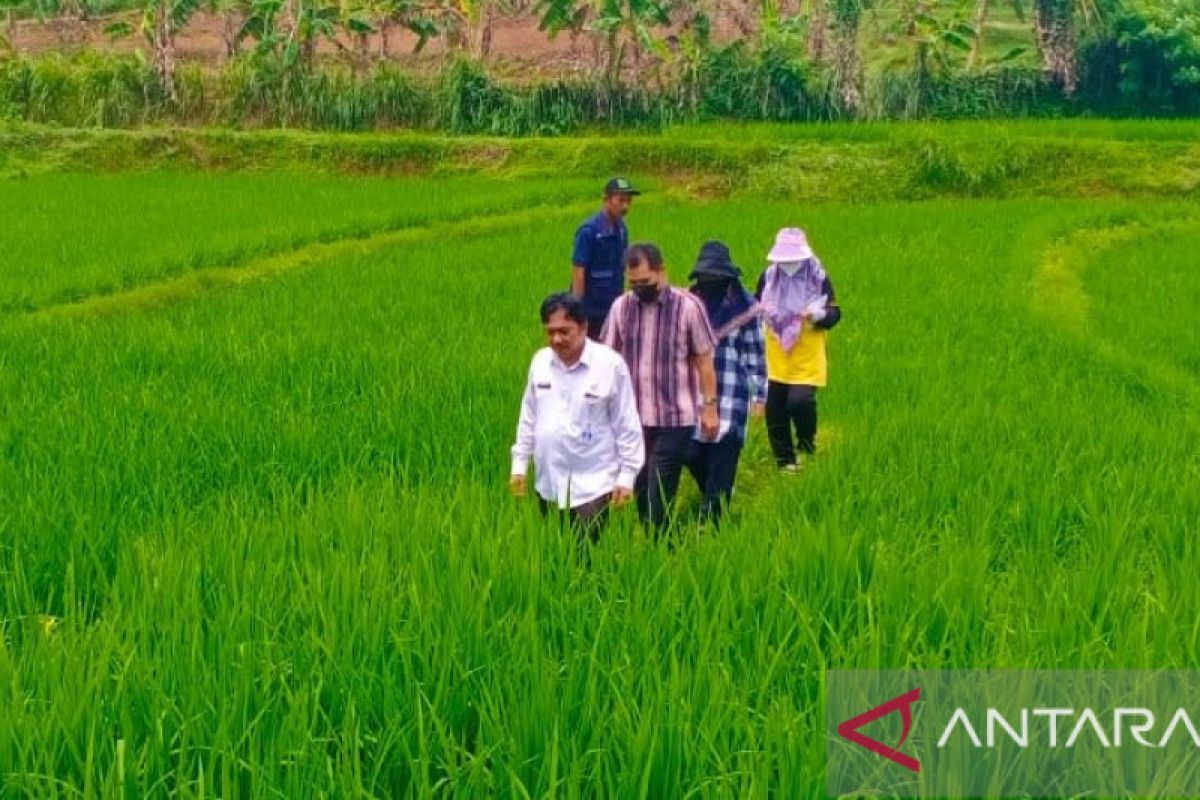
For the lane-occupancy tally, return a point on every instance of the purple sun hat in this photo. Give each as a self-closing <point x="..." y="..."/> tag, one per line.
<point x="791" y="244"/>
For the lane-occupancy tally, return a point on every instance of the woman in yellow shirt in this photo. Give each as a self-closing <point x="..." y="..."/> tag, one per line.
<point x="799" y="308"/>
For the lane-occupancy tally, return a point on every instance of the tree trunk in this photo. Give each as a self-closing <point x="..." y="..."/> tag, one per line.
<point x="481" y="38"/>
<point x="981" y="13"/>
<point x="162" y="44"/>
<point x="455" y="32"/>
<point x="1054" y="25"/>
<point x="231" y="24"/>
<point x="846" y="64"/>
<point x="8" y="41"/>
<point x="818" y="31"/>
<point x="615" y="53"/>
<point x="291" y="21"/>
<point x="362" y="53"/>
<point x="598" y="50"/>
<point x="385" y="26"/>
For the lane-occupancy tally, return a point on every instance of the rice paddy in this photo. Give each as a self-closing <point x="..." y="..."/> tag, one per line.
<point x="255" y="538"/>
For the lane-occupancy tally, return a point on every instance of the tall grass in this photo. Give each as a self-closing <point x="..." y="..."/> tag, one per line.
<point x="259" y="543"/>
<point x="734" y="83"/>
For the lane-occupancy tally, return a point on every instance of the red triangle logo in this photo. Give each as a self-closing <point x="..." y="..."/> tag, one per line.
<point x="850" y="729"/>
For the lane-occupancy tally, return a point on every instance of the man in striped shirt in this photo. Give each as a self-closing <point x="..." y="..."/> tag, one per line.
<point x="665" y="338"/>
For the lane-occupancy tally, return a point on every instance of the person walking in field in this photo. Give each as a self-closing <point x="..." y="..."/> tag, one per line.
<point x="740" y="364"/>
<point x="799" y="309"/>
<point x="597" y="274"/>
<point x="664" y="336"/>
<point x="578" y="423"/>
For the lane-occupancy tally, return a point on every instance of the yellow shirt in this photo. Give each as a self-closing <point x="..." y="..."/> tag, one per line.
<point x="806" y="364"/>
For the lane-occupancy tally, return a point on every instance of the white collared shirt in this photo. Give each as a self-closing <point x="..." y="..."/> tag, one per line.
<point x="580" y="424"/>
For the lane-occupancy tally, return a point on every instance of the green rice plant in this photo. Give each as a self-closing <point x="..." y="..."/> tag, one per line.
<point x="172" y="223"/>
<point x="258" y="542"/>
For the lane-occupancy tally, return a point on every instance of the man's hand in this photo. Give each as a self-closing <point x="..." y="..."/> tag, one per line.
<point x="620" y="496"/>
<point x="710" y="423"/>
<point x="516" y="485"/>
<point x="758" y="410"/>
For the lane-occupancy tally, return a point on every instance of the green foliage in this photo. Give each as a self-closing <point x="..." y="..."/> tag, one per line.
<point x="469" y="101"/>
<point x="997" y="92"/>
<point x="121" y="29"/>
<point x="1148" y="60"/>
<point x="919" y="58"/>
<point x="264" y="91"/>
<point x="84" y="89"/>
<point x="769" y="83"/>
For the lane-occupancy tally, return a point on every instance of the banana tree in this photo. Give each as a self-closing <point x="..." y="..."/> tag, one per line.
<point x="936" y="32"/>
<point x="356" y="18"/>
<point x="315" y="21"/>
<point x="232" y="15"/>
<point x="628" y="24"/>
<point x="616" y="24"/>
<point x="263" y="24"/>
<point x="979" y="28"/>
<point x="161" y="21"/>
<point x="474" y="20"/>
<point x="7" y="48"/>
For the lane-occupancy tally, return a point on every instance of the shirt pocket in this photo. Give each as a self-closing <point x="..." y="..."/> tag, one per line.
<point x="593" y="408"/>
<point x="543" y="382"/>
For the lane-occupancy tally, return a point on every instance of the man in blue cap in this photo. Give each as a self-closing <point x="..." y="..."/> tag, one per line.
<point x="598" y="274"/>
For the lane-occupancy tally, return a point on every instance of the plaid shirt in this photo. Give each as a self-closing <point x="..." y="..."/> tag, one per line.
<point x="741" y="366"/>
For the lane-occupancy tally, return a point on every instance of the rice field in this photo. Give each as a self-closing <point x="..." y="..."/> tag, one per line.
<point x="255" y="538"/>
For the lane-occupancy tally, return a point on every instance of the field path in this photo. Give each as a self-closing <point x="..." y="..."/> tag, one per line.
<point x="1060" y="295"/>
<point x="198" y="282"/>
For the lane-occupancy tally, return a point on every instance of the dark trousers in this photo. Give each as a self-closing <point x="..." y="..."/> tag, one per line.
<point x="587" y="520"/>
<point x="714" y="466"/>
<point x="595" y="325"/>
<point x="657" y="483"/>
<point x="791" y="412"/>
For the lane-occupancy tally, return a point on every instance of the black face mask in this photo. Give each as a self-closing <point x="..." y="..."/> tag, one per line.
<point x="711" y="291"/>
<point x="647" y="294"/>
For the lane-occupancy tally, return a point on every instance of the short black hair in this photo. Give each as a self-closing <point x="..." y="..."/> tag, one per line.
<point x="644" y="253"/>
<point x="565" y="302"/>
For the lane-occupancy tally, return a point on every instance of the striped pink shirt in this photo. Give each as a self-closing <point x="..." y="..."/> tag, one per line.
<point x="657" y="341"/>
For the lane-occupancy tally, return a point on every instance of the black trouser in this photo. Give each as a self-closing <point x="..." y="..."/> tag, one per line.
<point x="587" y="520"/>
<point x="595" y="325"/>
<point x="791" y="406"/>
<point x="714" y="466"/>
<point x="657" y="483"/>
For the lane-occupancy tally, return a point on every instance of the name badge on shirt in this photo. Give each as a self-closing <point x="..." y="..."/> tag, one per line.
<point x="541" y="386"/>
<point x="590" y="399"/>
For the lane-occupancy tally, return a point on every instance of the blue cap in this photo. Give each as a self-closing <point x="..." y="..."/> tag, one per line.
<point x="620" y="186"/>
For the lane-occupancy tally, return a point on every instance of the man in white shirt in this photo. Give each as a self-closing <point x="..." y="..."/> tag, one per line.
<point x="579" y="422"/>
